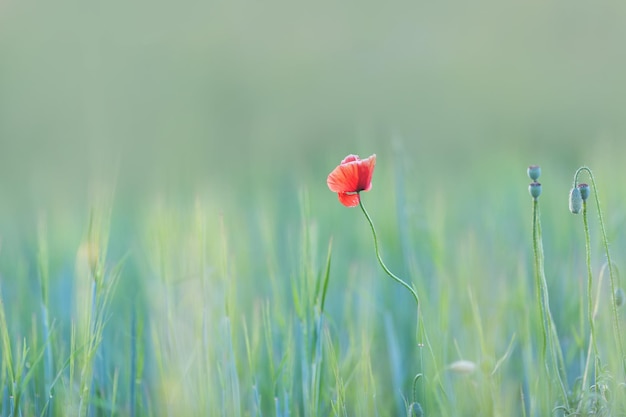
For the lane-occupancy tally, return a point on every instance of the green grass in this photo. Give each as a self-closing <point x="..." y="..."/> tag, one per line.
<point x="198" y="306"/>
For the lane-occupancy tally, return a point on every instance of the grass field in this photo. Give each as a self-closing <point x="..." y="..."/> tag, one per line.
<point x="169" y="245"/>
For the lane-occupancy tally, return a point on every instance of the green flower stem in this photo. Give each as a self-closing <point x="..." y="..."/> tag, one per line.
<point x="421" y="331"/>
<point x="605" y="242"/>
<point x="547" y="322"/>
<point x="538" y="266"/>
<point x="592" y="334"/>
<point x="380" y="261"/>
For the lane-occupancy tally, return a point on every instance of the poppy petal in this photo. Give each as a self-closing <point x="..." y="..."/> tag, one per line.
<point x="352" y="176"/>
<point x="350" y="158"/>
<point x="366" y="170"/>
<point x="349" y="200"/>
<point x="344" y="178"/>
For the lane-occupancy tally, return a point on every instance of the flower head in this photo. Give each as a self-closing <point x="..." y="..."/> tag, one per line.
<point x="534" y="189"/>
<point x="351" y="177"/>
<point x="575" y="200"/>
<point x="534" y="171"/>
<point x="584" y="191"/>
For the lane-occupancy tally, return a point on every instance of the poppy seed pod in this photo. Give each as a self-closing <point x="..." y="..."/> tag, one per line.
<point x="575" y="200"/>
<point x="534" y="189"/>
<point x="534" y="171"/>
<point x="584" y="191"/>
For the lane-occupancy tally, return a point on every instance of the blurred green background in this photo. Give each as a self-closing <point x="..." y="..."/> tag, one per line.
<point x="234" y="93"/>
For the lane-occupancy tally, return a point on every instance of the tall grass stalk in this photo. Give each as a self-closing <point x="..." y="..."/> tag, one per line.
<point x="44" y="279"/>
<point x="132" y="380"/>
<point x="17" y="370"/>
<point x="102" y="282"/>
<point x="310" y="300"/>
<point x="8" y="372"/>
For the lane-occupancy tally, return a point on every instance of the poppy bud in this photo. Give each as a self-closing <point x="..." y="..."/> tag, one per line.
<point x="575" y="200"/>
<point x="584" y="191"/>
<point x="534" y="171"/>
<point x="534" y="189"/>
<point x="416" y="410"/>
<point x="619" y="297"/>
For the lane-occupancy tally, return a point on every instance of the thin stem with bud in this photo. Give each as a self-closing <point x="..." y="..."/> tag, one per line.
<point x="612" y="279"/>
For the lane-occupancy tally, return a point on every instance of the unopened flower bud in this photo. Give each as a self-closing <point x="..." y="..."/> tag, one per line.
<point x="534" y="171"/>
<point x="575" y="200"/>
<point x="584" y="191"/>
<point x="416" y="410"/>
<point x="534" y="189"/>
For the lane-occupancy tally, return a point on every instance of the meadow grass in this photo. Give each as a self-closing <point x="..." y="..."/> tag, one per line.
<point x="206" y="306"/>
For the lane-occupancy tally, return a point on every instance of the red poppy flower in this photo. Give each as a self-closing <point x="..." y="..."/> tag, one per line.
<point x="351" y="177"/>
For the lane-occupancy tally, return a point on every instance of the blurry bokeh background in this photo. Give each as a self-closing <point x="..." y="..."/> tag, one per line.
<point x="243" y="93"/>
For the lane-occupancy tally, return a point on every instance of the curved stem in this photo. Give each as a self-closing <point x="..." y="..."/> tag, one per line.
<point x="605" y="242"/>
<point x="380" y="261"/>
<point x="421" y="331"/>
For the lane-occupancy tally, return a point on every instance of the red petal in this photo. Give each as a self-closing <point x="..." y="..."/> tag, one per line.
<point x="349" y="200"/>
<point x="344" y="178"/>
<point x="366" y="171"/>
<point x="352" y="176"/>
<point x="350" y="158"/>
